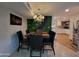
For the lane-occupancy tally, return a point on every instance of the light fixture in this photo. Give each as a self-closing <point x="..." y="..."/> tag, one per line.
<point x="66" y="10"/>
<point x="38" y="17"/>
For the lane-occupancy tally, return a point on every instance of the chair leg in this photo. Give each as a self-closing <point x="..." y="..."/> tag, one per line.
<point x="40" y="52"/>
<point x="18" y="47"/>
<point x="43" y="50"/>
<point x="53" y="48"/>
<point x="30" y="52"/>
<point x="43" y="47"/>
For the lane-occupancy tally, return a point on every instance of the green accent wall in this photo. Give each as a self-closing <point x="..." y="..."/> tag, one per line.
<point x="44" y="26"/>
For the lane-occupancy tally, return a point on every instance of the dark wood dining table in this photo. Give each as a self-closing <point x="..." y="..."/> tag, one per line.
<point x="43" y="34"/>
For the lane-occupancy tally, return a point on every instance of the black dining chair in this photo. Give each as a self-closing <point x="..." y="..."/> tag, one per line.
<point x="27" y="31"/>
<point x="28" y="37"/>
<point x="50" y="40"/>
<point x="36" y="44"/>
<point x="21" y="40"/>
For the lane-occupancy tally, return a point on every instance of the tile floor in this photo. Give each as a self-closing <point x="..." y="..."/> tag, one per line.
<point x="61" y="50"/>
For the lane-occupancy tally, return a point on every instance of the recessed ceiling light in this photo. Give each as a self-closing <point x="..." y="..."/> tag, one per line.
<point x="66" y="10"/>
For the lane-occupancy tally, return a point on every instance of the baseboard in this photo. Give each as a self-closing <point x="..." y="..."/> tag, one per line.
<point x="13" y="52"/>
<point x="7" y="54"/>
<point x="4" y="54"/>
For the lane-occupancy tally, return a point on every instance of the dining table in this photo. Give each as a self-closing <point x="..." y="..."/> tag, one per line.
<point x="43" y="34"/>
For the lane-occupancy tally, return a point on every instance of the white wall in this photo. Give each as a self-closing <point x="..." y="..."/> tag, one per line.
<point x="73" y="20"/>
<point x="8" y="37"/>
<point x="57" y="29"/>
<point x="55" y="26"/>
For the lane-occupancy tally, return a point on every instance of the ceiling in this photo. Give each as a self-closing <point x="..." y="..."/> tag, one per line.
<point x="55" y="8"/>
<point x="46" y="8"/>
<point x="18" y="7"/>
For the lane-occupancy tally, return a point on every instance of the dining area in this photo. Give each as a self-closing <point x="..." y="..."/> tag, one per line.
<point x="36" y="41"/>
<point x="42" y="34"/>
<point x="38" y="34"/>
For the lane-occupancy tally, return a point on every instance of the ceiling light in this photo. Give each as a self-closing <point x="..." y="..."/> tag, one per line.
<point x="66" y="10"/>
<point x="38" y="17"/>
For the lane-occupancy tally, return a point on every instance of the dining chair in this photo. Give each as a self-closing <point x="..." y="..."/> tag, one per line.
<point x="50" y="40"/>
<point x="27" y="31"/>
<point x="36" y="44"/>
<point x="21" y="40"/>
<point x="28" y="36"/>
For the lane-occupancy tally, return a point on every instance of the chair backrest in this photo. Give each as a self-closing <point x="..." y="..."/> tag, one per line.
<point x="52" y="36"/>
<point x="36" y="42"/>
<point x="27" y="31"/>
<point x="20" y="36"/>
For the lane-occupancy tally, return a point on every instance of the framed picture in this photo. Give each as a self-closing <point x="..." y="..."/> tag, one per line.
<point x="65" y="24"/>
<point x="77" y="24"/>
<point x="15" y="20"/>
